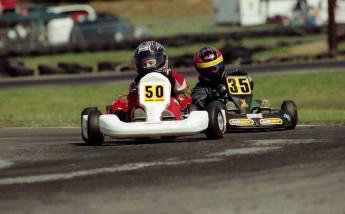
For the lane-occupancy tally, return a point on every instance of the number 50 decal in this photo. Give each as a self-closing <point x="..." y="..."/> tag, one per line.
<point x="154" y="93"/>
<point x="238" y="85"/>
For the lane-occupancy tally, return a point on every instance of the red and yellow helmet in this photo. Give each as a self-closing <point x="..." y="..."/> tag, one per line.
<point x="209" y="64"/>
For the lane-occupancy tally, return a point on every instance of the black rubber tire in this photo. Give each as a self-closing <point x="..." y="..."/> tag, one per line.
<point x="49" y="70"/>
<point x="106" y="66"/>
<point x="20" y="70"/>
<point x="4" y="66"/>
<point x="74" y="68"/>
<point x="96" y="138"/>
<point x="216" y="126"/>
<point x="291" y="108"/>
<point x="86" y="111"/>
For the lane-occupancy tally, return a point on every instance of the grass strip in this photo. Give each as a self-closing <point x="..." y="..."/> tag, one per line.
<point x="319" y="96"/>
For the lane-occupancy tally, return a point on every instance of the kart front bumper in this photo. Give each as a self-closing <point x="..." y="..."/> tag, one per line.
<point x="111" y="125"/>
<point x="257" y="121"/>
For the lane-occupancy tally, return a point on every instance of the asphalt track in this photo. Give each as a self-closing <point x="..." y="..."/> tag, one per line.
<point x="50" y="170"/>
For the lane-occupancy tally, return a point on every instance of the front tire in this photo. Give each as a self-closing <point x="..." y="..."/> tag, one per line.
<point x="290" y="107"/>
<point x="86" y="111"/>
<point x="216" y="125"/>
<point x="96" y="138"/>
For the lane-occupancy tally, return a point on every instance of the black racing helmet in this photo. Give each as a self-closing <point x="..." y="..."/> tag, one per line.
<point x="153" y="52"/>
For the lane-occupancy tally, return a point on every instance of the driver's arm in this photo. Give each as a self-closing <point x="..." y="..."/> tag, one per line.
<point x="199" y="96"/>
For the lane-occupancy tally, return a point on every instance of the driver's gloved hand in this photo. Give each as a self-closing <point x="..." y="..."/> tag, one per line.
<point x="221" y="88"/>
<point x="167" y="72"/>
<point x="214" y="94"/>
<point x="133" y="88"/>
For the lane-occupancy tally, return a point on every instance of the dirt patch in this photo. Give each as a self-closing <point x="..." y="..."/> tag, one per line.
<point x="311" y="48"/>
<point x="155" y="9"/>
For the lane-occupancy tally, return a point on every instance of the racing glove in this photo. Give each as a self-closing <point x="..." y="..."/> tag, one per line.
<point x="133" y="88"/>
<point x="214" y="95"/>
<point x="167" y="72"/>
<point x="222" y="88"/>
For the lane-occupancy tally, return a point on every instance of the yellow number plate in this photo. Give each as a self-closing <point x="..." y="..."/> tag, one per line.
<point x="154" y="93"/>
<point x="238" y="85"/>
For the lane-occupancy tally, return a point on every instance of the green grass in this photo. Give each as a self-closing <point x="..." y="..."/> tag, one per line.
<point x="289" y="50"/>
<point x="341" y="45"/>
<point x="262" y="55"/>
<point x="188" y="25"/>
<point x="274" y="40"/>
<point x="192" y="25"/>
<point x="320" y="98"/>
<point x="54" y="106"/>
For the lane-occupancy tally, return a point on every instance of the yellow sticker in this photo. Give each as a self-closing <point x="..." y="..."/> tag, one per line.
<point x="243" y="103"/>
<point x="241" y="122"/>
<point x="238" y="85"/>
<point x="154" y="93"/>
<point x="271" y="121"/>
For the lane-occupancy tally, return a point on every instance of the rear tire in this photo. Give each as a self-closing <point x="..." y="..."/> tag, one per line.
<point x="96" y="138"/>
<point x="216" y="125"/>
<point x="291" y="108"/>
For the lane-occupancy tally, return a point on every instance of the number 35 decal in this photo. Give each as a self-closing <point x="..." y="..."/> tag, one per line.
<point x="154" y="93"/>
<point x="238" y="85"/>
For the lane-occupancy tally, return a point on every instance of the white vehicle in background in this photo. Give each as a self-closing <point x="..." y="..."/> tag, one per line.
<point x="256" y="12"/>
<point x="238" y="12"/>
<point x="79" y="12"/>
<point x="73" y="26"/>
<point x="90" y="26"/>
<point x="59" y="31"/>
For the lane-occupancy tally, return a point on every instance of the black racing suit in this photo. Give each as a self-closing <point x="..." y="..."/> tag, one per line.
<point x="206" y="92"/>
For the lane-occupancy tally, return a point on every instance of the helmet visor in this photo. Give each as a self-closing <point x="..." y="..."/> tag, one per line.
<point x="212" y="73"/>
<point x="150" y="61"/>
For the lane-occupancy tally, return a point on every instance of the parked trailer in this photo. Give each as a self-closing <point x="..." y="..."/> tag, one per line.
<point x="256" y="12"/>
<point x="238" y="12"/>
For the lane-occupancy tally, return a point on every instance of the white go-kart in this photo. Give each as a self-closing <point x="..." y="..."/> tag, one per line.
<point x="154" y="97"/>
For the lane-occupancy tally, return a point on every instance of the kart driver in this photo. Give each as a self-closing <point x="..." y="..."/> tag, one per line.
<point x="151" y="56"/>
<point x="211" y="87"/>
